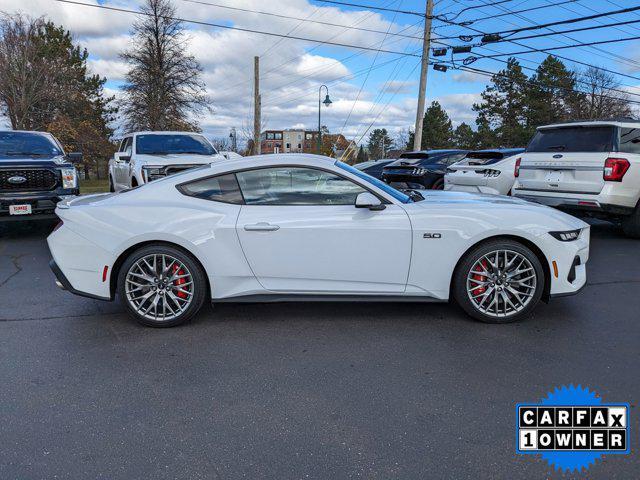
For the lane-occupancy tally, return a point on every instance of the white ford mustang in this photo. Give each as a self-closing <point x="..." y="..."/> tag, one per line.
<point x="305" y="227"/>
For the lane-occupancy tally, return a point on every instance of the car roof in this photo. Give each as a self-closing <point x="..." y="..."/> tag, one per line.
<point x="436" y="151"/>
<point x="627" y="123"/>
<point x="275" y="159"/>
<point x="167" y="132"/>
<point x="35" y="132"/>
<point x="499" y="150"/>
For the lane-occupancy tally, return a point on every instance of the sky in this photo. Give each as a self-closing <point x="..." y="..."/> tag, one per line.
<point x="369" y="89"/>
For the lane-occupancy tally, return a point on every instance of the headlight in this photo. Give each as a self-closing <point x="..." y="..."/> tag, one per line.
<point x="60" y="160"/>
<point x="568" y="236"/>
<point x="69" y="178"/>
<point x="153" y="173"/>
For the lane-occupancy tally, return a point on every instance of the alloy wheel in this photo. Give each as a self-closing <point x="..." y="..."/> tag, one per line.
<point x="501" y="283"/>
<point x="159" y="287"/>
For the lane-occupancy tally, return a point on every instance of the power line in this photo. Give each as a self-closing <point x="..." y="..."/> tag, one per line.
<point x="302" y="20"/>
<point x="515" y="42"/>
<point x="491" y="17"/>
<point x="555" y="32"/>
<point x="559" y="22"/>
<point x="229" y="27"/>
<point x="531" y="82"/>
<point x="473" y="8"/>
<point x="373" y="7"/>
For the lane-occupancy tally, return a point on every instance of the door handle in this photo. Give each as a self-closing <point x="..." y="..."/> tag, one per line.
<point x="261" y="227"/>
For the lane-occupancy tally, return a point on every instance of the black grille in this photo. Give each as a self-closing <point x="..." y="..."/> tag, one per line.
<point x="171" y="169"/>
<point x="35" y="180"/>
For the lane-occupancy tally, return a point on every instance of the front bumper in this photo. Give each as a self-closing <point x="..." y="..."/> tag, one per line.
<point x="569" y="260"/>
<point x="43" y="204"/>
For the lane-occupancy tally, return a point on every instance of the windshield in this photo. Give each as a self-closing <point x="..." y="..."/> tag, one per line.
<point x="376" y="183"/>
<point x="24" y="144"/>
<point x="572" y="139"/>
<point x="173" y="144"/>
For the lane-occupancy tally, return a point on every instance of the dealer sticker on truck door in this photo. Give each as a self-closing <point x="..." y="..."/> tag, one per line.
<point x="20" y="209"/>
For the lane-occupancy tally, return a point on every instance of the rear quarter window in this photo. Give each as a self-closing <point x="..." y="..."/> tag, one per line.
<point x="223" y="188"/>
<point x="573" y="139"/>
<point x="630" y="140"/>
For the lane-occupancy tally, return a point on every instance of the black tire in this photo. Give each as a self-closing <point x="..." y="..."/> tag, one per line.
<point x="196" y="276"/>
<point x="531" y="294"/>
<point x="112" y="188"/>
<point x="438" y="184"/>
<point x="631" y="224"/>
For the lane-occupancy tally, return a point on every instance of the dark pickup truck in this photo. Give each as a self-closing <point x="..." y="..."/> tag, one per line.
<point x="35" y="174"/>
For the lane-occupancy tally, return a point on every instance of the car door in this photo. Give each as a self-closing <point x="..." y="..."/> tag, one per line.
<point x="121" y="165"/>
<point x="301" y="232"/>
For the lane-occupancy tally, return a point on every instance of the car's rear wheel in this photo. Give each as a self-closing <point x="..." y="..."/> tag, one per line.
<point x="438" y="184"/>
<point x="631" y="224"/>
<point x="162" y="286"/>
<point x="499" y="281"/>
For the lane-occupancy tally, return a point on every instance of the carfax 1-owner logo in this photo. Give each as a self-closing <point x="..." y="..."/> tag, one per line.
<point x="571" y="428"/>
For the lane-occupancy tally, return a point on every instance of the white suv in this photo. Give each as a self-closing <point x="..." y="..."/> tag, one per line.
<point x="590" y="167"/>
<point x="146" y="156"/>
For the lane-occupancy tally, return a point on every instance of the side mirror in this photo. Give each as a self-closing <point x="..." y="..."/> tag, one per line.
<point x="75" y="157"/>
<point x="122" y="157"/>
<point x="370" y="201"/>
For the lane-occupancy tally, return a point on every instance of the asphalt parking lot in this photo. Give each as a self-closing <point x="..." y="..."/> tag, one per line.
<point x="312" y="390"/>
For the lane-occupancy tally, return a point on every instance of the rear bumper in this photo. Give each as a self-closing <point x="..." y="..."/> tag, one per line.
<point x="577" y="203"/>
<point x="64" y="284"/>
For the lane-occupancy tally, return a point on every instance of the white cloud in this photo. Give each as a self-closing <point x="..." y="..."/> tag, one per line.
<point x="291" y="70"/>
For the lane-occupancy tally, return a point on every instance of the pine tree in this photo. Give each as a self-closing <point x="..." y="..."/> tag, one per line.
<point x="464" y="137"/>
<point x="504" y="106"/>
<point x="437" y="131"/>
<point x="362" y="155"/>
<point x="551" y="96"/>
<point x="379" y="142"/>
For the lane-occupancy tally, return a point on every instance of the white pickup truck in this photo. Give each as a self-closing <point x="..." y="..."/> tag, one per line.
<point x="590" y="168"/>
<point x="146" y="156"/>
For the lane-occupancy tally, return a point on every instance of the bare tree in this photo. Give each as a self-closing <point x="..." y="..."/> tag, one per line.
<point x="163" y="89"/>
<point x="26" y="78"/>
<point x="600" y="101"/>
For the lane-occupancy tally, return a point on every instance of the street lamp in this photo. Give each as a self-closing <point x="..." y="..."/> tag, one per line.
<point x="327" y="102"/>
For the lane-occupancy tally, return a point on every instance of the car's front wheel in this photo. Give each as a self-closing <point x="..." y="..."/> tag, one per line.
<point x="499" y="281"/>
<point x="162" y="286"/>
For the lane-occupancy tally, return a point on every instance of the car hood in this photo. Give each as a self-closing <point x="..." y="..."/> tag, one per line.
<point x="449" y="200"/>
<point x="178" y="159"/>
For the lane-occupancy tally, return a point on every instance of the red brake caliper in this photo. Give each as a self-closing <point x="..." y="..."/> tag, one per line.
<point x="179" y="281"/>
<point x="479" y="275"/>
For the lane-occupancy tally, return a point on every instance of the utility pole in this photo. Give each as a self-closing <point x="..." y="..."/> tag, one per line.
<point x="257" y="106"/>
<point x="417" y="137"/>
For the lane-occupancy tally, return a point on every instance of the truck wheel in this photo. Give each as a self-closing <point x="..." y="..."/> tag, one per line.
<point x="631" y="224"/>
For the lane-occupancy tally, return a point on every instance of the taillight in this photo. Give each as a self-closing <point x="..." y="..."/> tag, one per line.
<point x="615" y="168"/>
<point x="516" y="169"/>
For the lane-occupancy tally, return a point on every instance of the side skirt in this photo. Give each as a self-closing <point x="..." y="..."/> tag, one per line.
<point x="280" y="298"/>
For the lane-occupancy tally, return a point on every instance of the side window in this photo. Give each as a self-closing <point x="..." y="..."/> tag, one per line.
<point x="223" y="188"/>
<point x="630" y="140"/>
<point x="126" y="145"/>
<point x="451" y="159"/>
<point x="296" y="186"/>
